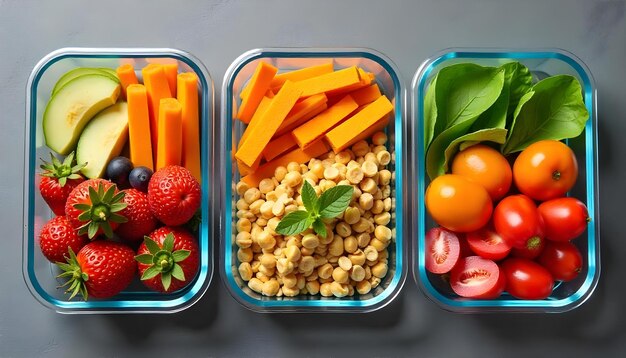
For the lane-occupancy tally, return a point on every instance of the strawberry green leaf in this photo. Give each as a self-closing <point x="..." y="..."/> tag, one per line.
<point x="117" y="207"/>
<point x="166" y="280"/>
<point x="294" y="223"/>
<point x="178" y="273"/>
<point x="82" y="207"/>
<point x="319" y="227"/>
<point x="150" y="272"/>
<point x="145" y="259"/>
<point x="108" y="195"/>
<point x="106" y="228"/>
<point x="117" y="218"/>
<point x="180" y="255"/>
<point x="93" y="195"/>
<point x="85" y="215"/>
<point x="92" y="229"/>
<point x="309" y="198"/>
<point x="152" y="246"/>
<point x="118" y="197"/>
<point x="335" y="200"/>
<point x="62" y="181"/>
<point x="168" y="243"/>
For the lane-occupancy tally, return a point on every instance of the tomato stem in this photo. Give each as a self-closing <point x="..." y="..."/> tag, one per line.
<point x="556" y="175"/>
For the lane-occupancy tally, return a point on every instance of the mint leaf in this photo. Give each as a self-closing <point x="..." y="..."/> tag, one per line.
<point x="319" y="227"/>
<point x="294" y="223"/>
<point x="335" y="200"/>
<point x="309" y="198"/>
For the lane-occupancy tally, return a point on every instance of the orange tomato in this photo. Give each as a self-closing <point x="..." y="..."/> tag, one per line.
<point x="545" y="170"/>
<point x="485" y="166"/>
<point x="457" y="203"/>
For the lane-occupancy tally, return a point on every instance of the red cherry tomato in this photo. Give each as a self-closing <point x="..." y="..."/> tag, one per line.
<point x="442" y="250"/>
<point x="533" y="248"/>
<point x="475" y="277"/>
<point x="527" y="279"/>
<point x="465" y="249"/>
<point x="517" y="220"/>
<point x="488" y="244"/>
<point x="564" y="218"/>
<point x="562" y="259"/>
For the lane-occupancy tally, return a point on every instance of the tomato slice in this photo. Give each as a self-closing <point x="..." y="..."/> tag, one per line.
<point x="442" y="250"/>
<point x="488" y="244"/>
<point x="526" y="279"/>
<point x="475" y="277"/>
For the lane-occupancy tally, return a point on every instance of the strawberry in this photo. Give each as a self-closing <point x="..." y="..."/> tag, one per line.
<point x="168" y="259"/>
<point x="57" y="181"/>
<point x="140" y="219"/>
<point x="92" y="208"/>
<point x="174" y="195"/>
<point x="55" y="238"/>
<point x="101" y="269"/>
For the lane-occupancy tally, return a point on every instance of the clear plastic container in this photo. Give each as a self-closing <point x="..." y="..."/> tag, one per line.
<point x="39" y="274"/>
<point x="542" y="63"/>
<point x="387" y="77"/>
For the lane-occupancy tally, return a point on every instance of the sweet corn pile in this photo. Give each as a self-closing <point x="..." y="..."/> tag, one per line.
<point x="352" y="257"/>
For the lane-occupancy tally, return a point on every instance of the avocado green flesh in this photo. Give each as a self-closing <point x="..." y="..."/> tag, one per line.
<point x="102" y="139"/>
<point x="81" y="71"/>
<point x="69" y="110"/>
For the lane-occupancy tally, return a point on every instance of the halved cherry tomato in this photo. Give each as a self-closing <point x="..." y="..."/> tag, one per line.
<point x="475" y="277"/>
<point x="533" y="248"/>
<point x="517" y="220"/>
<point x="564" y="218"/>
<point x="488" y="244"/>
<point x="526" y="279"/>
<point x="562" y="259"/>
<point x="442" y="250"/>
<point x="465" y="249"/>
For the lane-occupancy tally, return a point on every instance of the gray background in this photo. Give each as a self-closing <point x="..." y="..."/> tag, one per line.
<point x="408" y="32"/>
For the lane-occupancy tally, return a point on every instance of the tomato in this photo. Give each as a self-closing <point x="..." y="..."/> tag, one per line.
<point x="465" y="249"/>
<point x="526" y="279"/>
<point x="442" y="250"/>
<point x="475" y="277"/>
<point x="517" y="220"/>
<point x="564" y="218"/>
<point x="562" y="259"/>
<point x="488" y="244"/>
<point x="545" y="170"/>
<point x="485" y="166"/>
<point x="533" y="248"/>
<point x="458" y="204"/>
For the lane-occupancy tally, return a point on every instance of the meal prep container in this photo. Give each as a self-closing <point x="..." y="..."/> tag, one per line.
<point x="39" y="274"/>
<point x="542" y="63"/>
<point x="387" y="77"/>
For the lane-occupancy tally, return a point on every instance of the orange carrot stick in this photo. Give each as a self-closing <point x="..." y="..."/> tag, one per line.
<point x="333" y="81"/>
<point x="139" y="126"/>
<point x="158" y="88"/>
<point x="187" y="84"/>
<point x="127" y="76"/>
<point x="170" y="133"/>
<point x="259" y="84"/>
<point x="171" y="72"/>
<point x="323" y="122"/>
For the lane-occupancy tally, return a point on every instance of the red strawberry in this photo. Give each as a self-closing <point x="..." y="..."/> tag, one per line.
<point x="168" y="259"/>
<point x="55" y="238"/>
<point x="92" y="208"/>
<point x="174" y="195"/>
<point x="140" y="219"/>
<point x="101" y="269"/>
<point x="57" y="181"/>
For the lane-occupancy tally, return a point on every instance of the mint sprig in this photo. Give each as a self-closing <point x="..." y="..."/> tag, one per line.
<point x="330" y="204"/>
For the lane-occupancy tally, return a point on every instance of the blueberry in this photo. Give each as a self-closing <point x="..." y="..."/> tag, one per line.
<point x="118" y="169"/>
<point x="139" y="178"/>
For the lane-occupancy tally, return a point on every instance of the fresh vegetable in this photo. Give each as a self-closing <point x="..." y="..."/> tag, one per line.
<point x="174" y="195"/>
<point x="526" y="279"/>
<point x="303" y="111"/>
<point x="442" y="250"/>
<point x="170" y="133"/>
<point x="188" y="98"/>
<point x="93" y="208"/>
<point x="139" y="178"/>
<point x="534" y="247"/>
<point x="139" y="136"/>
<point x="475" y="277"/>
<point x="562" y="259"/>
<point x="57" y="181"/>
<point x="279" y="146"/>
<point x="171" y="73"/>
<point x="258" y="86"/>
<point x="127" y="76"/>
<point x="299" y="75"/>
<point x="337" y="80"/>
<point x="564" y="218"/>
<point x="545" y="170"/>
<point x="158" y="88"/>
<point x="78" y="72"/>
<point x="329" y="205"/>
<point x="366" y="95"/>
<point x="322" y="123"/>
<point x="140" y="220"/>
<point x="168" y="259"/>
<point x="118" y="170"/>
<point x="458" y="204"/>
<point x="56" y="236"/>
<point x="485" y="166"/>
<point x="488" y="244"/>
<point x="517" y="220"/>
<point x="101" y="269"/>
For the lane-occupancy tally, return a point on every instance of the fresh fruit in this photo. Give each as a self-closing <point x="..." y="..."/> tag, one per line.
<point x="57" y="181"/>
<point x="140" y="219"/>
<point x="488" y="244"/>
<point x="118" y="170"/>
<point x="545" y="170"/>
<point x="101" y="269"/>
<point x="102" y="139"/>
<point x="93" y="208"/>
<point x="475" y="277"/>
<point x="139" y="178"/>
<point x="458" y="204"/>
<point x="526" y="279"/>
<point x="69" y="110"/>
<point x="174" y="195"/>
<point x="77" y="72"/>
<point x="442" y="250"/>
<point x="168" y="259"/>
<point x="564" y="218"/>
<point x="562" y="259"/>
<point x="517" y="220"/>
<point x="56" y="236"/>
<point x="532" y="250"/>
<point x="485" y="166"/>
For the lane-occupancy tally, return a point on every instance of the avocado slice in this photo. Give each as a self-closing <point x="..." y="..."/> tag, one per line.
<point x="102" y="139"/>
<point x="73" y="106"/>
<point x="81" y="71"/>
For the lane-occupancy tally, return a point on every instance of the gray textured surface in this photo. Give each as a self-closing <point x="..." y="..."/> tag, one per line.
<point x="408" y="32"/>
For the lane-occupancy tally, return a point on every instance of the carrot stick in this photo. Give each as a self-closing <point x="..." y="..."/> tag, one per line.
<point x="170" y="133"/>
<point x="188" y="97"/>
<point x="127" y="76"/>
<point x="158" y="88"/>
<point x="139" y="126"/>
